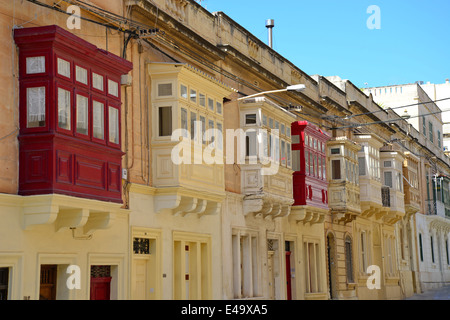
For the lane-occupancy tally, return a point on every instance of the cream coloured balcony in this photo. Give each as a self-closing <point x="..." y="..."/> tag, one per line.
<point x="411" y="184"/>
<point x="187" y="139"/>
<point x="370" y="175"/>
<point x="266" y="166"/>
<point x="343" y="187"/>
<point x="392" y="177"/>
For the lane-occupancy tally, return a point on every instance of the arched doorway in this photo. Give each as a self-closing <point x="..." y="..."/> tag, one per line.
<point x="331" y="266"/>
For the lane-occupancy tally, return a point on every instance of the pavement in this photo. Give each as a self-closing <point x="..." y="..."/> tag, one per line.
<point x="434" y="294"/>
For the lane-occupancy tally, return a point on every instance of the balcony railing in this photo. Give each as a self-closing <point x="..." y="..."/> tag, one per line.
<point x="386" y="196"/>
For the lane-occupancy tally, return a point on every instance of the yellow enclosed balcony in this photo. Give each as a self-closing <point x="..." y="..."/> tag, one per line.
<point x="187" y="141"/>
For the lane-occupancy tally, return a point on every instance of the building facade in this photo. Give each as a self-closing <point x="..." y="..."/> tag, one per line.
<point x="136" y="156"/>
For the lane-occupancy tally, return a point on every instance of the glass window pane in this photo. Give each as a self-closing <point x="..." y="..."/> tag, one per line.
<point x="193" y="96"/>
<point x="165" y="121"/>
<point x="97" y="81"/>
<point x="36" y="107"/>
<point x="184" y="122"/>
<point x="113" y="125"/>
<point x="64" y="67"/>
<point x="82" y="114"/>
<point x="98" y="119"/>
<point x="220" y="136"/>
<point x="64" y="109"/>
<point x="218" y="107"/>
<point x="210" y="104"/>
<point x="183" y="91"/>
<point x="202" y="99"/>
<point x="113" y="88"/>
<point x="81" y="75"/>
<point x="203" y="124"/>
<point x="250" y="119"/>
<point x="35" y="65"/>
<point x="193" y="126"/>
<point x="164" y="89"/>
<point x="283" y="152"/>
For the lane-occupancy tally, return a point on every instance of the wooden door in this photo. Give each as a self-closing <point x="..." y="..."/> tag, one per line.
<point x="100" y="283"/>
<point x="4" y="277"/>
<point x="140" y="279"/>
<point x="288" y="276"/>
<point x="48" y="282"/>
<point x="101" y="288"/>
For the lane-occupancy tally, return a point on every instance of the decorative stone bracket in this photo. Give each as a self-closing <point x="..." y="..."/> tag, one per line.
<point x="261" y="205"/>
<point x="187" y="203"/>
<point x="308" y="214"/>
<point x="65" y="212"/>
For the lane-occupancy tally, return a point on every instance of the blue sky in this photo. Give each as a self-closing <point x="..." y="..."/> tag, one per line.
<point x="331" y="37"/>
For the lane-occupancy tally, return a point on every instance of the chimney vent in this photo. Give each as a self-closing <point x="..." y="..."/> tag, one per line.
<point x="270" y="23"/>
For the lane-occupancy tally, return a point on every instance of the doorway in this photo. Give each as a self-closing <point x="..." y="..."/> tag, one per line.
<point x="47" y="290"/>
<point x="4" y="277"/>
<point x="331" y="264"/>
<point x="100" y="283"/>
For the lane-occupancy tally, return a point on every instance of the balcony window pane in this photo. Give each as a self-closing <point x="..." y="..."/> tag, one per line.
<point x="289" y="154"/>
<point x="81" y="75"/>
<point x="202" y="99"/>
<point x="388" y="179"/>
<point x="64" y="67"/>
<point x="183" y="91"/>
<point x="164" y="89"/>
<point x="35" y="65"/>
<point x="98" y="119"/>
<point x="193" y="126"/>
<point x="36" y="107"/>
<point x="97" y="81"/>
<point x="283" y="152"/>
<point x="203" y="130"/>
<point x="193" y="96"/>
<point x="113" y="125"/>
<point x="113" y="88"/>
<point x="250" y="119"/>
<point x="220" y="137"/>
<point x="165" y="121"/>
<point x="64" y="109"/>
<point x="82" y="114"/>
<point x="336" y="169"/>
<point x="219" y="107"/>
<point x="184" y="122"/>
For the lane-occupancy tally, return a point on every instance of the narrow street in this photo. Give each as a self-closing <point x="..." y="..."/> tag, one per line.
<point x="435" y="294"/>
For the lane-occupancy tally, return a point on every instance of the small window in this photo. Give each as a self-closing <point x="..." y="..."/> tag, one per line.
<point x="250" y="119"/>
<point x="63" y="67"/>
<point x="336" y="169"/>
<point x="184" y="122"/>
<point x="203" y="124"/>
<point x="35" y="65"/>
<point x="210" y="104"/>
<point x="183" y="91"/>
<point x="336" y="151"/>
<point x="64" y="109"/>
<point x="36" y="101"/>
<point x="165" y="121"/>
<point x="270" y="123"/>
<point x="193" y="96"/>
<point x="113" y="88"/>
<point x="113" y="125"/>
<point x="220" y="137"/>
<point x="81" y="75"/>
<point x="97" y="81"/>
<point x="283" y="129"/>
<point x="193" y="126"/>
<point x="98" y="119"/>
<point x="202" y="99"/>
<point x="362" y="166"/>
<point x="388" y="179"/>
<point x="264" y="120"/>
<point x="211" y="126"/>
<point x="219" y="107"/>
<point x="277" y="125"/>
<point x="283" y="153"/>
<point x="82" y="114"/>
<point x="164" y="89"/>
<point x="387" y="164"/>
<point x="288" y="132"/>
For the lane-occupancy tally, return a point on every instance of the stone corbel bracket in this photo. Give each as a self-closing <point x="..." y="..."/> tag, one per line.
<point x="67" y="212"/>
<point x="185" y="203"/>
<point x="307" y="214"/>
<point x="264" y="206"/>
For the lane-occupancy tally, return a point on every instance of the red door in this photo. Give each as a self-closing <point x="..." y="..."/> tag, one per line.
<point x="288" y="275"/>
<point x="101" y="288"/>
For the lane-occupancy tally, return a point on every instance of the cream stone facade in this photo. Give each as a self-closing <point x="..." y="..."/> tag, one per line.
<point x="196" y="223"/>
